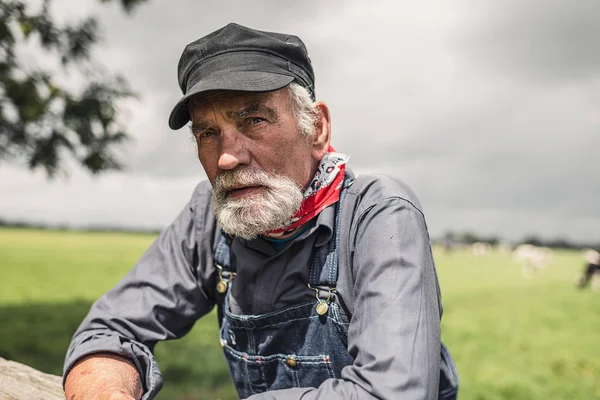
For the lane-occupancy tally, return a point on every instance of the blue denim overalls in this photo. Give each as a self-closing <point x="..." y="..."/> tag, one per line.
<point x="301" y="345"/>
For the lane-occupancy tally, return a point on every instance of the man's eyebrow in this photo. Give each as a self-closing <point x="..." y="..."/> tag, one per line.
<point x="258" y="107"/>
<point x="198" y="126"/>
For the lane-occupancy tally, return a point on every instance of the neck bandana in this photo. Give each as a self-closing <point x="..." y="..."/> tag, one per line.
<point x="323" y="190"/>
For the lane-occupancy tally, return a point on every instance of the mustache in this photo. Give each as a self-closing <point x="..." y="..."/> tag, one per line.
<point x="228" y="180"/>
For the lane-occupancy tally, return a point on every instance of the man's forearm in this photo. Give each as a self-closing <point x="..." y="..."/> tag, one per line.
<point x="98" y="376"/>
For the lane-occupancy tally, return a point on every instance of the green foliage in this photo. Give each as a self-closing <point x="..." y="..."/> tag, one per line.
<point x="41" y="123"/>
<point x="513" y="338"/>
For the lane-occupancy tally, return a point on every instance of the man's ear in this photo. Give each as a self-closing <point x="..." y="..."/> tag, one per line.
<point x="322" y="136"/>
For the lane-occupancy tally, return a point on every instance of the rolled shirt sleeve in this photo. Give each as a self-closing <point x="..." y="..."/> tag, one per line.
<point x="394" y="333"/>
<point x="159" y="299"/>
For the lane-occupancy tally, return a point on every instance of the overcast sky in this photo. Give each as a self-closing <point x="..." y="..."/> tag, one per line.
<point x="489" y="110"/>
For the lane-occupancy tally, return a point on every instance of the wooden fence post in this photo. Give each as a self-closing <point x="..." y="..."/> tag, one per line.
<point x="20" y="382"/>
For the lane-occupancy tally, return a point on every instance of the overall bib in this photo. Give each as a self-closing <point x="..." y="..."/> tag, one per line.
<point x="301" y="345"/>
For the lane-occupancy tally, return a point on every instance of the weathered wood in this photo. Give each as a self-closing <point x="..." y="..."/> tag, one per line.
<point x="20" y="382"/>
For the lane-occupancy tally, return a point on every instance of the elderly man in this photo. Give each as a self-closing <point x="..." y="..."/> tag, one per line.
<point x="324" y="282"/>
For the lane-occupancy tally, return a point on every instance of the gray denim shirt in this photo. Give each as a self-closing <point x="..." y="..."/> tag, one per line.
<point x="387" y="287"/>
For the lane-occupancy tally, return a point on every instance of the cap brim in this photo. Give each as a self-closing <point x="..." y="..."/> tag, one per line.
<point x="245" y="81"/>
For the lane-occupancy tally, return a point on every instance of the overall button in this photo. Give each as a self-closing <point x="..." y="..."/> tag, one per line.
<point x="291" y="361"/>
<point x="221" y="287"/>
<point x="322" y="308"/>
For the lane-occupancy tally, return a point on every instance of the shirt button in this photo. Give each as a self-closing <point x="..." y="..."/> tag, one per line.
<point x="291" y="361"/>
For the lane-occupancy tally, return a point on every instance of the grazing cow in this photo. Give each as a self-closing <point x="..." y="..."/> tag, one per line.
<point x="532" y="259"/>
<point x="591" y="273"/>
<point x="479" y="249"/>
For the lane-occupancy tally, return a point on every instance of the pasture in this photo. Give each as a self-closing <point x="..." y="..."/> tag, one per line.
<point x="512" y="338"/>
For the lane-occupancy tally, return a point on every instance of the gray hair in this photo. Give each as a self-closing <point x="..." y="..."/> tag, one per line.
<point x="303" y="108"/>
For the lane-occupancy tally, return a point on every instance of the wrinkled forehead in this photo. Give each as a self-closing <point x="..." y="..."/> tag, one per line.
<point x="233" y="102"/>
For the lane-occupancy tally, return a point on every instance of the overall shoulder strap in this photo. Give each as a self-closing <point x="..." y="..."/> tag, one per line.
<point x="325" y="260"/>
<point x="221" y="251"/>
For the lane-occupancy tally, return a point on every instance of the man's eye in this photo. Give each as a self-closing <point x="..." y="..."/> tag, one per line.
<point x="255" y="120"/>
<point x="205" y="134"/>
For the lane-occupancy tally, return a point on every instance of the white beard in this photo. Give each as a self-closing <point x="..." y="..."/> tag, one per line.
<point x="272" y="206"/>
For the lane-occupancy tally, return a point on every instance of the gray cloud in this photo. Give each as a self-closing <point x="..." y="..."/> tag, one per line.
<point x="537" y="40"/>
<point x="488" y="109"/>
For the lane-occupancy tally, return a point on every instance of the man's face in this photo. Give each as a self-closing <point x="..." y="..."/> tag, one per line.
<point x="255" y="157"/>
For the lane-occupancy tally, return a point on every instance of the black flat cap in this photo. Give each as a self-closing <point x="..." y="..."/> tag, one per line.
<point x="239" y="58"/>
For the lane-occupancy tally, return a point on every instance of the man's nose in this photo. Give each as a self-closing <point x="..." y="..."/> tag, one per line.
<point x="233" y="152"/>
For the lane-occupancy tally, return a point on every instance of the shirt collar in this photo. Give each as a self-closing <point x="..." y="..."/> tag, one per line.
<point x="324" y="225"/>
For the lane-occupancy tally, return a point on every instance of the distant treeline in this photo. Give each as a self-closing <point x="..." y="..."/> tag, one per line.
<point x="449" y="238"/>
<point x="86" y="228"/>
<point x="456" y="238"/>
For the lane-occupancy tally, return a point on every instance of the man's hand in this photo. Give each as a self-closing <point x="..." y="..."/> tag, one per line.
<point x="103" y="376"/>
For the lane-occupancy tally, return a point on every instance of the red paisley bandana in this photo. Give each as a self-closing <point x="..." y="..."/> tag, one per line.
<point x="324" y="190"/>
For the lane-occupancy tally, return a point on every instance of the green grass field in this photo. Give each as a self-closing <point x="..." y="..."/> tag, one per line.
<point x="512" y="338"/>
